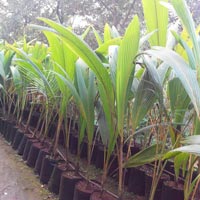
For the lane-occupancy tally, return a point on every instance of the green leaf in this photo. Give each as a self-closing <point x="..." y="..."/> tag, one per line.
<point x="125" y="68"/>
<point x="69" y="83"/>
<point x="187" y="49"/>
<point x="87" y="95"/>
<point x="114" y="32"/>
<point x="103" y="48"/>
<point x="17" y="80"/>
<point x="192" y="149"/>
<point x="149" y="90"/>
<point x="8" y="57"/>
<point x="180" y="161"/>
<point x="97" y="36"/>
<point x="63" y="58"/>
<point x="85" y="33"/>
<point x="82" y="131"/>
<point x="2" y="72"/>
<point x="34" y="67"/>
<point x="156" y="18"/>
<point x="39" y="51"/>
<point x="145" y="156"/>
<point x="107" y="33"/>
<point x="170" y="154"/>
<point x="186" y="75"/>
<point x="81" y="49"/>
<point x="102" y="124"/>
<point x="113" y="56"/>
<point x="184" y="14"/>
<point x="145" y="38"/>
<point x="191" y="140"/>
<point x="179" y="99"/>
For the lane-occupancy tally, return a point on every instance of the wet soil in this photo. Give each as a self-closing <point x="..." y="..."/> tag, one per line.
<point x="17" y="180"/>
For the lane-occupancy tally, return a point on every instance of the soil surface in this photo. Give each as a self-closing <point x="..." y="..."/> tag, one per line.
<point x="17" y="180"/>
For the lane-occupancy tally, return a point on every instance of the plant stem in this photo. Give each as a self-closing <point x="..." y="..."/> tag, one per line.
<point x="57" y="134"/>
<point x="67" y="135"/>
<point x="104" y="176"/>
<point x="29" y="118"/>
<point x="89" y="159"/>
<point x="120" y="160"/>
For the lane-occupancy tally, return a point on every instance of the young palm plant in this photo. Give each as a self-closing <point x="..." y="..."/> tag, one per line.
<point x="84" y="95"/>
<point x="104" y="83"/>
<point x="63" y="63"/>
<point x="6" y="57"/>
<point x="107" y="90"/>
<point x="186" y="68"/>
<point x="41" y="84"/>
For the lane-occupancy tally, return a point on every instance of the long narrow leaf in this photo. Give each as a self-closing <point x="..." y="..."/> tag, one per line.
<point x="156" y="17"/>
<point x="125" y="68"/>
<point x="145" y="156"/>
<point x="186" y="75"/>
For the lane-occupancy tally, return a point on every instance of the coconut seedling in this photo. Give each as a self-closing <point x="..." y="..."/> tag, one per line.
<point x="6" y="57"/>
<point x="103" y="81"/>
<point x="107" y="93"/>
<point x="84" y="95"/>
<point x="40" y="83"/>
<point x="27" y="96"/>
<point x="150" y="88"/>
<point x="188" y="73"/>
<point x="64" y="64"/>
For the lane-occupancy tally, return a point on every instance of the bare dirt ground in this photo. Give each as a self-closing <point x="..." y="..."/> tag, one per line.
<point x="17" y="180"/>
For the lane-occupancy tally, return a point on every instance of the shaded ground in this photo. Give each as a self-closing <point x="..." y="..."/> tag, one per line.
<point x="17" y="180"/>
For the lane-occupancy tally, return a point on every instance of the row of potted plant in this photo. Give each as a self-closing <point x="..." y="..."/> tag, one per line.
<point x="65" y="180"/>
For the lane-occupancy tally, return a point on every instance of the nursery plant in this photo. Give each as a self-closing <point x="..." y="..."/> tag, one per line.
<point x="187" y="70"/>
<point x="104" y="82"/>
<point x="63" y="63"/>
<point x="6" y="57"/>
<point x="150" y="90"/>
<point x="92" y="60"/>
<point x="107" y="91"/>
<point x="41" y="84"/>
